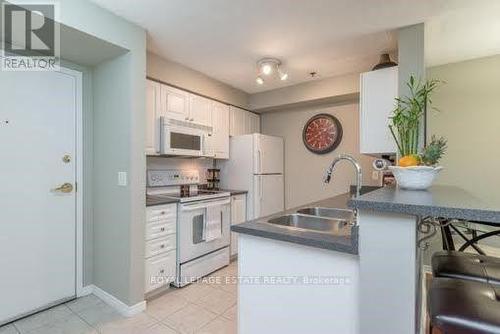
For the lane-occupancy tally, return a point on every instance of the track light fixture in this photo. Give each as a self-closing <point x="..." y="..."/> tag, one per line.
<point x="267" y="67"/>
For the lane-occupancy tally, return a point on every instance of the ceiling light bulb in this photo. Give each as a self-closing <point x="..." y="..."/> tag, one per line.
<point x="267" y="69"/>
<point x="259" y="81"/>
<point x="283" y="76"/>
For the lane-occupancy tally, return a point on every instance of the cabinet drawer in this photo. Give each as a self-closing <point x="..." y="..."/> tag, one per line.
<point x="161" y="212"/>
<point x="159" y="271"/>
<point x="159" y="246"/>
<point x="161" y="229"/>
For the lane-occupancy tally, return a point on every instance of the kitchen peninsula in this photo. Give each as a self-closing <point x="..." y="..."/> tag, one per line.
<point x="376" y="268"/>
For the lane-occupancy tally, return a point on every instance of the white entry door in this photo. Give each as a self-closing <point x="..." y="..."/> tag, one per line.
<point x="38" y="116"/>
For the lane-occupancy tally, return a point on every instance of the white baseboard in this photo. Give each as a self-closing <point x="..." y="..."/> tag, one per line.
<point x="118" y="305"/>
<point x="85" y="291"/>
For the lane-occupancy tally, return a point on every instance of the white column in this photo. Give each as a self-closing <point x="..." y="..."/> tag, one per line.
<point x="388" y="273"/>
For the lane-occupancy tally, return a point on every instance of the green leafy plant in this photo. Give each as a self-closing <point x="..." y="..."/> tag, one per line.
<point x="408" y="113"/>
<point x="434" y="151"/>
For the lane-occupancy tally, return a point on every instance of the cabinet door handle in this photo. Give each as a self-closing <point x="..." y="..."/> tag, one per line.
<point x="162" y="229"/>
<point x="162" y="271"/>
<point x="160" y="136"/>
<point x="162" y="246"/>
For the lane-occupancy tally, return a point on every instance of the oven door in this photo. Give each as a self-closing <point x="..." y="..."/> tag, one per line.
<point x="192" y="221"/>
<point x="178" y="140"/>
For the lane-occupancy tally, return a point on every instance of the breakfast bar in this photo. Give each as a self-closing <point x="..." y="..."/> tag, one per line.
<point x="390" y="283"/>
<point x="373" y="262"/>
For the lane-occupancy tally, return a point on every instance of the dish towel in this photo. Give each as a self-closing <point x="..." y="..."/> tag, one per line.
<point x="213" y="223"/>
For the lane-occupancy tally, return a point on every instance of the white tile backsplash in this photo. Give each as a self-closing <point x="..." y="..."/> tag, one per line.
<point x="200" y="164"/>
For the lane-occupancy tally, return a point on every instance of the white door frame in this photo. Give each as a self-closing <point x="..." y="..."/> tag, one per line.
<point x="79" y="186"/>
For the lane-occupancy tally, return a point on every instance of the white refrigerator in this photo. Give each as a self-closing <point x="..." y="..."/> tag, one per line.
<point x="256" y="165"/>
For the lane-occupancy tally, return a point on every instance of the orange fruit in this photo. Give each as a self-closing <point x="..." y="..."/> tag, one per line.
<point x="409" y="160"/>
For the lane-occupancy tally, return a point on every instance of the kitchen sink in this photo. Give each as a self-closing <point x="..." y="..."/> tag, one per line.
<point x="335" y="226"/>
<point x="328" y="213"/>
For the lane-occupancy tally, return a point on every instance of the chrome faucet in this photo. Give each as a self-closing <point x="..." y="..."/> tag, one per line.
<point x="359" y="176"/>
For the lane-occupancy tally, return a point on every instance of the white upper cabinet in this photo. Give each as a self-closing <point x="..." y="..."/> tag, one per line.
<point x="220" y="134"/>
<point x="200" y="110"/>
<point x="152" y="117"/>
<point x="254" y="123"/>
<point x="183" y="106"/>
<point x="174" y="103"/>
<point x="243" y="122"/>
<point x="237" y="121"/>
<point x="377" y="100"/>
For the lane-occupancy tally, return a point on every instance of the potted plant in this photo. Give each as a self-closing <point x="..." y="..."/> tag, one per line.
<point x="416" y="170"/>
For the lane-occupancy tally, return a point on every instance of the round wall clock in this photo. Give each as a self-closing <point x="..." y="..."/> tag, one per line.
<point x="322" y="134"/>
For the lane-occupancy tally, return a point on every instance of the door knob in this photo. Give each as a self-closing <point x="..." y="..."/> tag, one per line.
<point x="64" y="188"/>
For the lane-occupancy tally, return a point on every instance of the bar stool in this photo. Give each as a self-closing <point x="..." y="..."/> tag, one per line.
<point x="466" y="266"/>
<point x="463" y="307"/>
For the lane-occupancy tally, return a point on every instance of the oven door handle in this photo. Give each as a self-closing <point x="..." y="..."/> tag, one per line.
<point x="203" y="205"/>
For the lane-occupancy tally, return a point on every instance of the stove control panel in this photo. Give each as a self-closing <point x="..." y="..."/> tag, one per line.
<point x="172" y="177"/>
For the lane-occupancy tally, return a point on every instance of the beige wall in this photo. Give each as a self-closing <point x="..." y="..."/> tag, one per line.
<point x="197" y="82"/>
<point x="304" y="170"/>
<point x="470" y="120"/>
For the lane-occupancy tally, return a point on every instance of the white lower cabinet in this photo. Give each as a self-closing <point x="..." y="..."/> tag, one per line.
<point x="238" y="216"/>
<point x="160" y="249"/>
<point x="160" y="271"/>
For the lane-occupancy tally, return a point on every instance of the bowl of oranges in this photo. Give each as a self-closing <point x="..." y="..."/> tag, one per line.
<point x="418" y="171"/>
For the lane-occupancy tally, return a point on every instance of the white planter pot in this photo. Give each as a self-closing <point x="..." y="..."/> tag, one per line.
<point x="416" y="177"/>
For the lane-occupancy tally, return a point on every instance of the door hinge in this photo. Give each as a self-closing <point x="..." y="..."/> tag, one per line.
<point x="76" y="187"/>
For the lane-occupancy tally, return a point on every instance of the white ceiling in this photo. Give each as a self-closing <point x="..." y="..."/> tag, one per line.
<point x="463" y="34"/>
<point x="224" y="38"/>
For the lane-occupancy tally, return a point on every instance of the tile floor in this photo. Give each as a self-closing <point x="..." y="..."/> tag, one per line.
<point x="205" y="307"/>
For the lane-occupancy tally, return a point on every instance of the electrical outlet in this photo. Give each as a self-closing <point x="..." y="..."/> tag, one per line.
<point x="375" y="175"/>
<point x="122" y="179"/>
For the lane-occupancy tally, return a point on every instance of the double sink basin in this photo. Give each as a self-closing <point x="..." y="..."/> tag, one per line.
<point x="320" y="220"/>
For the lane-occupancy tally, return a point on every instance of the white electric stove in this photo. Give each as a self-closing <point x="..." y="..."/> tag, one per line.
<point x="200" y="249"/>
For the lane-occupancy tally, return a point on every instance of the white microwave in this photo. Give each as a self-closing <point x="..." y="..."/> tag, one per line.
<point x="183" y="138"/>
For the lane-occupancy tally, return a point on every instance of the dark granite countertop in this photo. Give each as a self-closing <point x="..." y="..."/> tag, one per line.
<point x="337" y="242"/>
<point x="437" y="201"/>
<point x="235" y="192"/>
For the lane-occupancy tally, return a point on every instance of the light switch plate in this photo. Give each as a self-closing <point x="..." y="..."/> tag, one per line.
<point x="122" y="179"/>
<point x="375" y="175"/>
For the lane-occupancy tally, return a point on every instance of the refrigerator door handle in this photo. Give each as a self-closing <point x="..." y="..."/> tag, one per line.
<point x="260" y="161"/>
<point x="261" y="186"/>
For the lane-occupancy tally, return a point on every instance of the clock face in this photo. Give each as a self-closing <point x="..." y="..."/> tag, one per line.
<point x="322" y="134"/>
